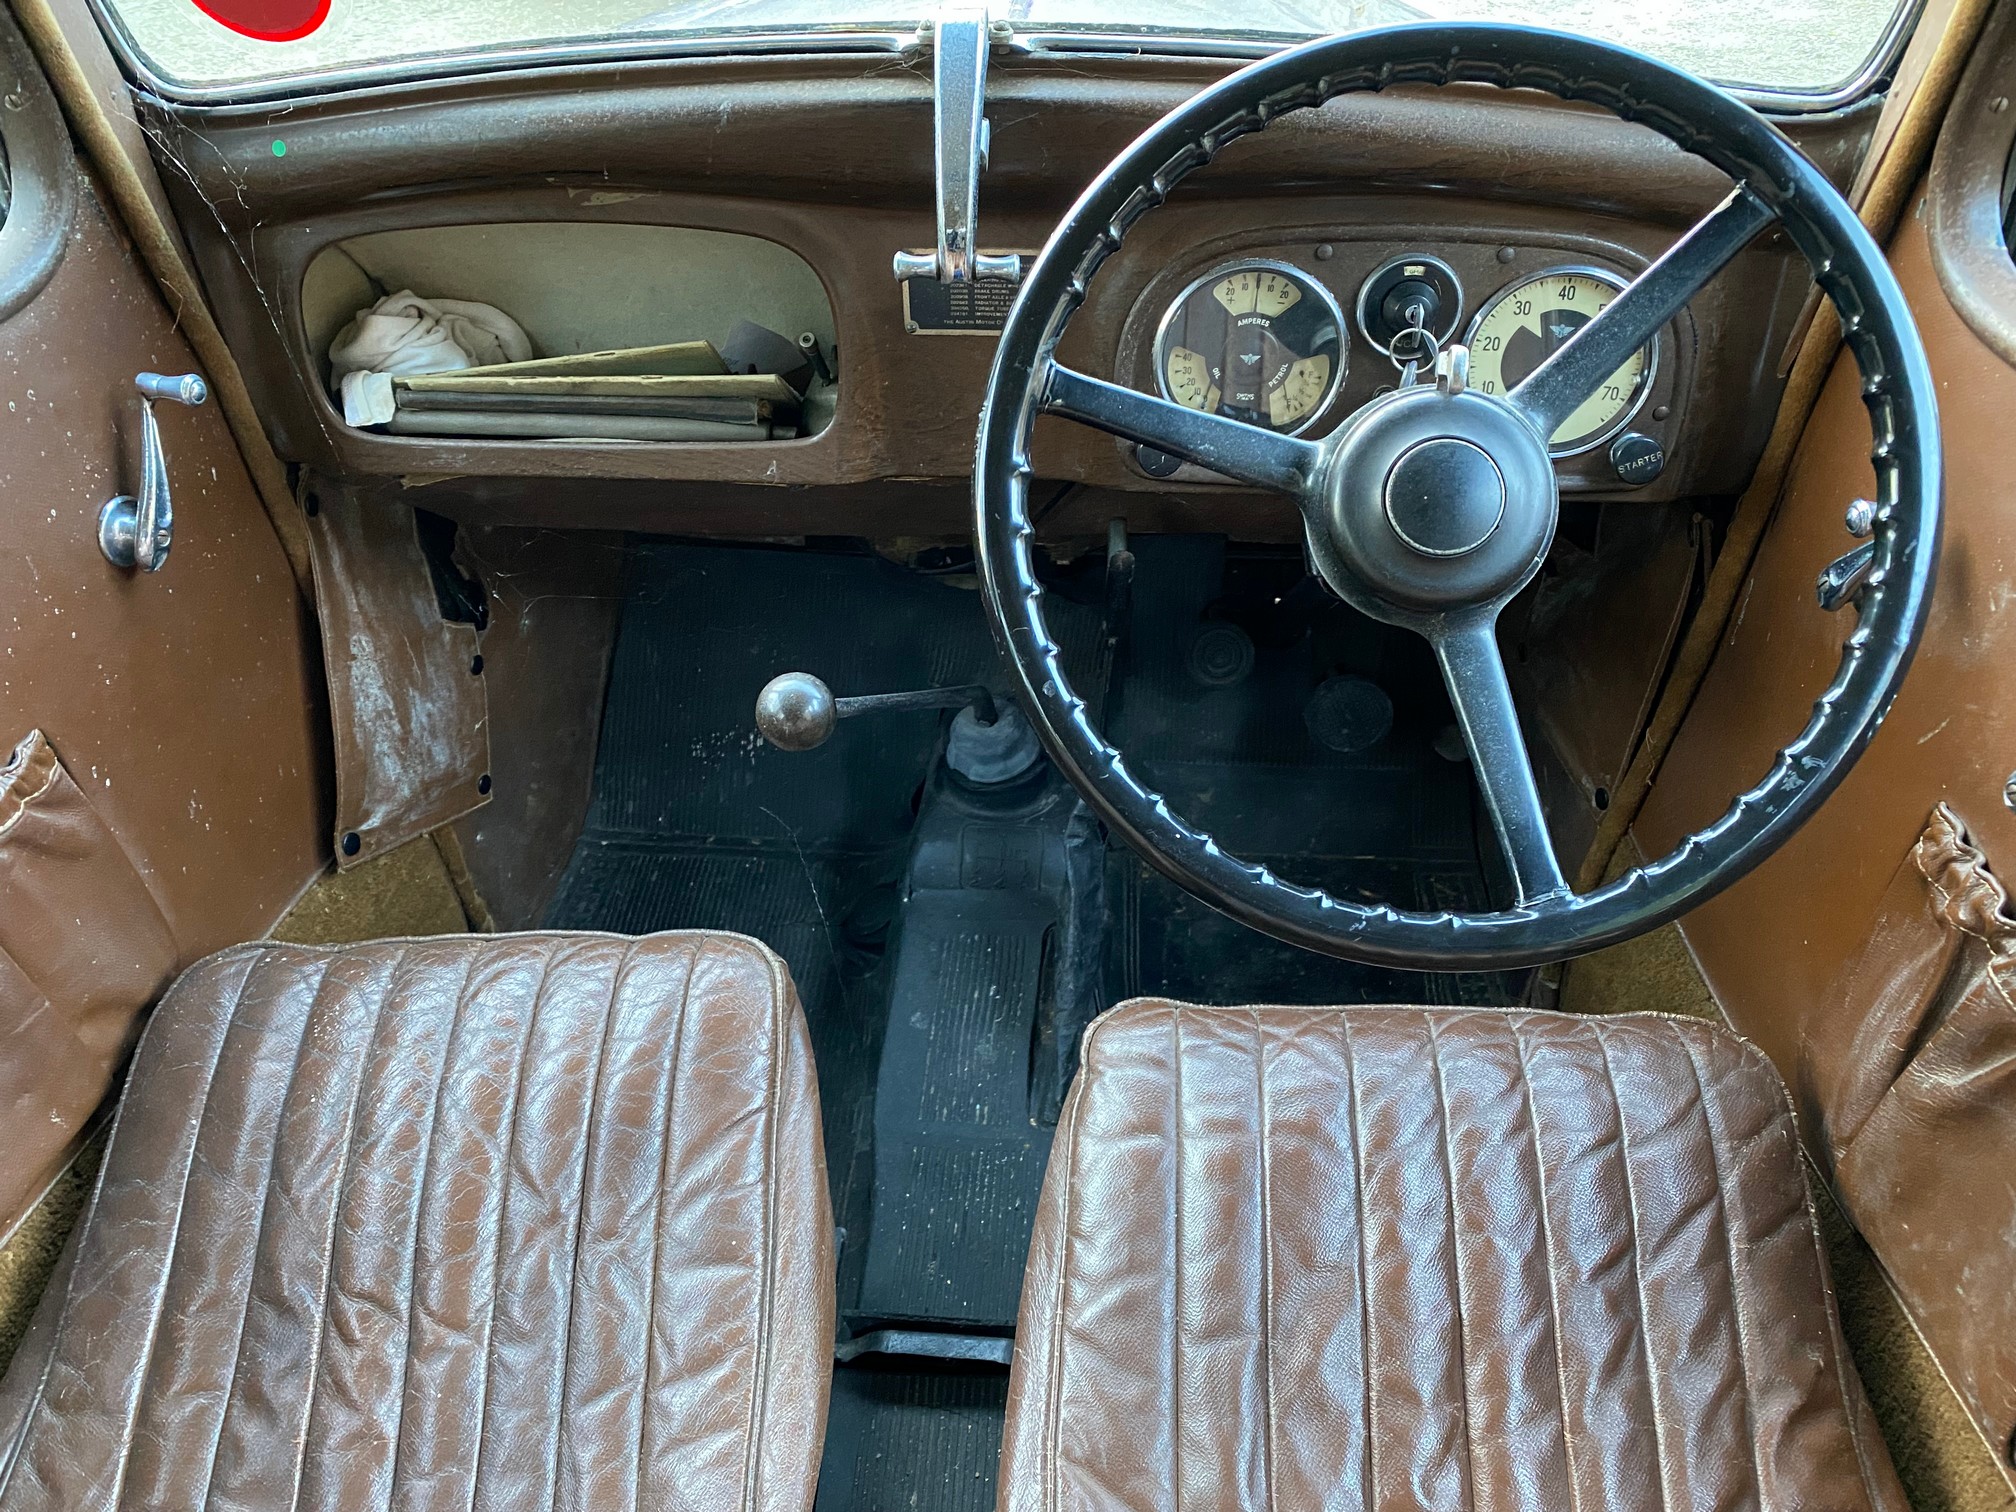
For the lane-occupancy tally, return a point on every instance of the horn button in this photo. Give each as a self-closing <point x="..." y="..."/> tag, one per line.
<point x="1433" y="502"/>
<point x="1444" y="497"/>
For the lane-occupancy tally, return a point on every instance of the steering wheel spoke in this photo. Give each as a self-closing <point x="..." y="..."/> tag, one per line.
<point x="1475" y="674"/>
<point x="1230" y="448"/>
<point x="1554" y="390"/>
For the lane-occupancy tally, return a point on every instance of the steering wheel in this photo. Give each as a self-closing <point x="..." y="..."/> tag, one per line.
<point x="1433" y="505"/>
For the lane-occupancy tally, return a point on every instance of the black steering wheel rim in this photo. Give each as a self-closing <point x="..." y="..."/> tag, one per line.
<point x="1876" y="324"/>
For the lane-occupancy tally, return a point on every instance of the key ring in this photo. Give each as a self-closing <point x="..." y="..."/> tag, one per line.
<point x="1412" y="356"/>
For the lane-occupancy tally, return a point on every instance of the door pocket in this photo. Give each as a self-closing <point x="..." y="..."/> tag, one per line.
<point x="1928" y="1172"/>
<point x="83" y="949"/>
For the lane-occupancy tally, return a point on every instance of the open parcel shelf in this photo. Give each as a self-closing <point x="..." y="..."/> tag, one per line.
<point x="639" y="333"/>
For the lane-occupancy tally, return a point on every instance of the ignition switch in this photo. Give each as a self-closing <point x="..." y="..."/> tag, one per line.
<point x="1411" y="290"/>
<point x="1411" y="302"/>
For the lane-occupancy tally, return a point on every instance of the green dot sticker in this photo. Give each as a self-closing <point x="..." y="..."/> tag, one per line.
<point x="279" y="148"/>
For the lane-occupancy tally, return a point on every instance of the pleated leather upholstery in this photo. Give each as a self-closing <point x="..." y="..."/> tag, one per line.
<point x="526" y="1221"/>
<point x="1419" y="1259"/>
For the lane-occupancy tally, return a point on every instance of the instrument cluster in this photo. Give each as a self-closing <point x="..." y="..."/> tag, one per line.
<point x="1294" y="342"/>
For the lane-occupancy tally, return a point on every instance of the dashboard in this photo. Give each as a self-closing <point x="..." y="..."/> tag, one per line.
<point x="1276" y="285"/>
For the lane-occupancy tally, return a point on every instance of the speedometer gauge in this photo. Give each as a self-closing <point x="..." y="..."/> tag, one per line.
<point x="1256" y="341"/>
<point x="1525" y="324"/>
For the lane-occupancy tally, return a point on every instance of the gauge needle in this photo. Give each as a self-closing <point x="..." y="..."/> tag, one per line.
<point x="1278" y="359"/>
<point x="1529" y="346"/>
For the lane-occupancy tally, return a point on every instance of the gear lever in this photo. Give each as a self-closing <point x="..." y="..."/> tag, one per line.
<point x="797" y="712"/>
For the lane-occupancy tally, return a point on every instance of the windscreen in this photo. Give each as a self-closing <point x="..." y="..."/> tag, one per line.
<point x="1795" y="46"/>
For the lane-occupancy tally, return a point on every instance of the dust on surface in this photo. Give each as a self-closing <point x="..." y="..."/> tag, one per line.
<point x="407" y="891"/>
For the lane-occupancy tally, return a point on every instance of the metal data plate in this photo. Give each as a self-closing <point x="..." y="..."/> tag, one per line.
<point x="980" y="308"/>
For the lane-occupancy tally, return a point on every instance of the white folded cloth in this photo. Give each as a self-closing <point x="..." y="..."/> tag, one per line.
<point x="403" y="333"/>
<point x="367" y="398"/>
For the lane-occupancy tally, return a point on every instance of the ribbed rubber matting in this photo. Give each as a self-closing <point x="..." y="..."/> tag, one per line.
<point x="925" y="1440"/>
<point x="958" y="1160"/>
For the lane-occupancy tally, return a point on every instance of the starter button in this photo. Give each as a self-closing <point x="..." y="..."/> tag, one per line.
<point x="1637" y="457"/>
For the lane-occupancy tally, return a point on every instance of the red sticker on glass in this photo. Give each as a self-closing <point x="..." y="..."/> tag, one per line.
<point x="267" y="20"/>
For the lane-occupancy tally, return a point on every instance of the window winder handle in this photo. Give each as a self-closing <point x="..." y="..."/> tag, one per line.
<point x="138" y="530"/>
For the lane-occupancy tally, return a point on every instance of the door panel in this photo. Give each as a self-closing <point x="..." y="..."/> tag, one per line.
<point x="184" y="703"/>
<point x="1874" y="957"/>
<point x="1775" y="946"/>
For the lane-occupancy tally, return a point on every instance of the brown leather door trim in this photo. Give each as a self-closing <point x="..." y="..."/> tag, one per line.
<point x="42" y="171"/>
<point x="161" y="248"/>
<point x="408" y="706"/>
<point x="1917" y="1104"/>
<point x="83" y="949"/>
<point x="1967" y="191"/>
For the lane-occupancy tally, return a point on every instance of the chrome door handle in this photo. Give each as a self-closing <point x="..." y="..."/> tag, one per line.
<point x="136" y="531"/>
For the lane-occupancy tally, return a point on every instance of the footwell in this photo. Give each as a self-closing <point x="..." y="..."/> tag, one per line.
<point x="949" y="945"/>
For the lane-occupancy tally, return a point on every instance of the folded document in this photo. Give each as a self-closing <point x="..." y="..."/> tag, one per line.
<point x="680" y="392"/>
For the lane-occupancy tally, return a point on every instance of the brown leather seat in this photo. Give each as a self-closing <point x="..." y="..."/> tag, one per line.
<point x="523" y="1221"/>
<point x="1417" y="1259"/>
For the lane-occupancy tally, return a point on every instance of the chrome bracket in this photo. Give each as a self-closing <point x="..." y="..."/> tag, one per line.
<point x="1452" y="369"/>
<point x="1841" y="581"/>
<point x="136" y="531"/>
<point x="960" y="39"/>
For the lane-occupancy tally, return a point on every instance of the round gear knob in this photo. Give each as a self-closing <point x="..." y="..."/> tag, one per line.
<point x="796" y="711"/>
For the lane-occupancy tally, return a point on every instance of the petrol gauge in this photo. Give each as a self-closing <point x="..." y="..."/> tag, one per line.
<point x="1256" y="341"/>
<point x="1525" y="324"/>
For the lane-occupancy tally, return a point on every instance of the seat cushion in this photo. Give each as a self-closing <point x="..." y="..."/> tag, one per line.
<point x="520" y="1221"/>
<point x="1422" y="1259"/>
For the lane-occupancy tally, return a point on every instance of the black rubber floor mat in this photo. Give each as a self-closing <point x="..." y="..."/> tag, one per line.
<point x="1395" y="823"/>
<point x="704" y="627"/>
<point x="958" y="1160"/>
<point x="904" y="1441"/>
<point x="632" y="884"/>
<point x="1164" y="943"/>
<point x="795" y="903"/>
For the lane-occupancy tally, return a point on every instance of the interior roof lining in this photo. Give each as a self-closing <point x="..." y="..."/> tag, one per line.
<point x="1874" y="75"/>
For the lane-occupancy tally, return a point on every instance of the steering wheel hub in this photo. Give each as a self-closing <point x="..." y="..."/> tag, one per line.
<point x="1432" y="502"/>
<point x="1444" y="497"/>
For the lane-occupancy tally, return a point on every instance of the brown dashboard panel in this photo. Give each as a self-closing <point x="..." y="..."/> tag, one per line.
<point x="1483" y="261"/>
<point x="696" y="145"/>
